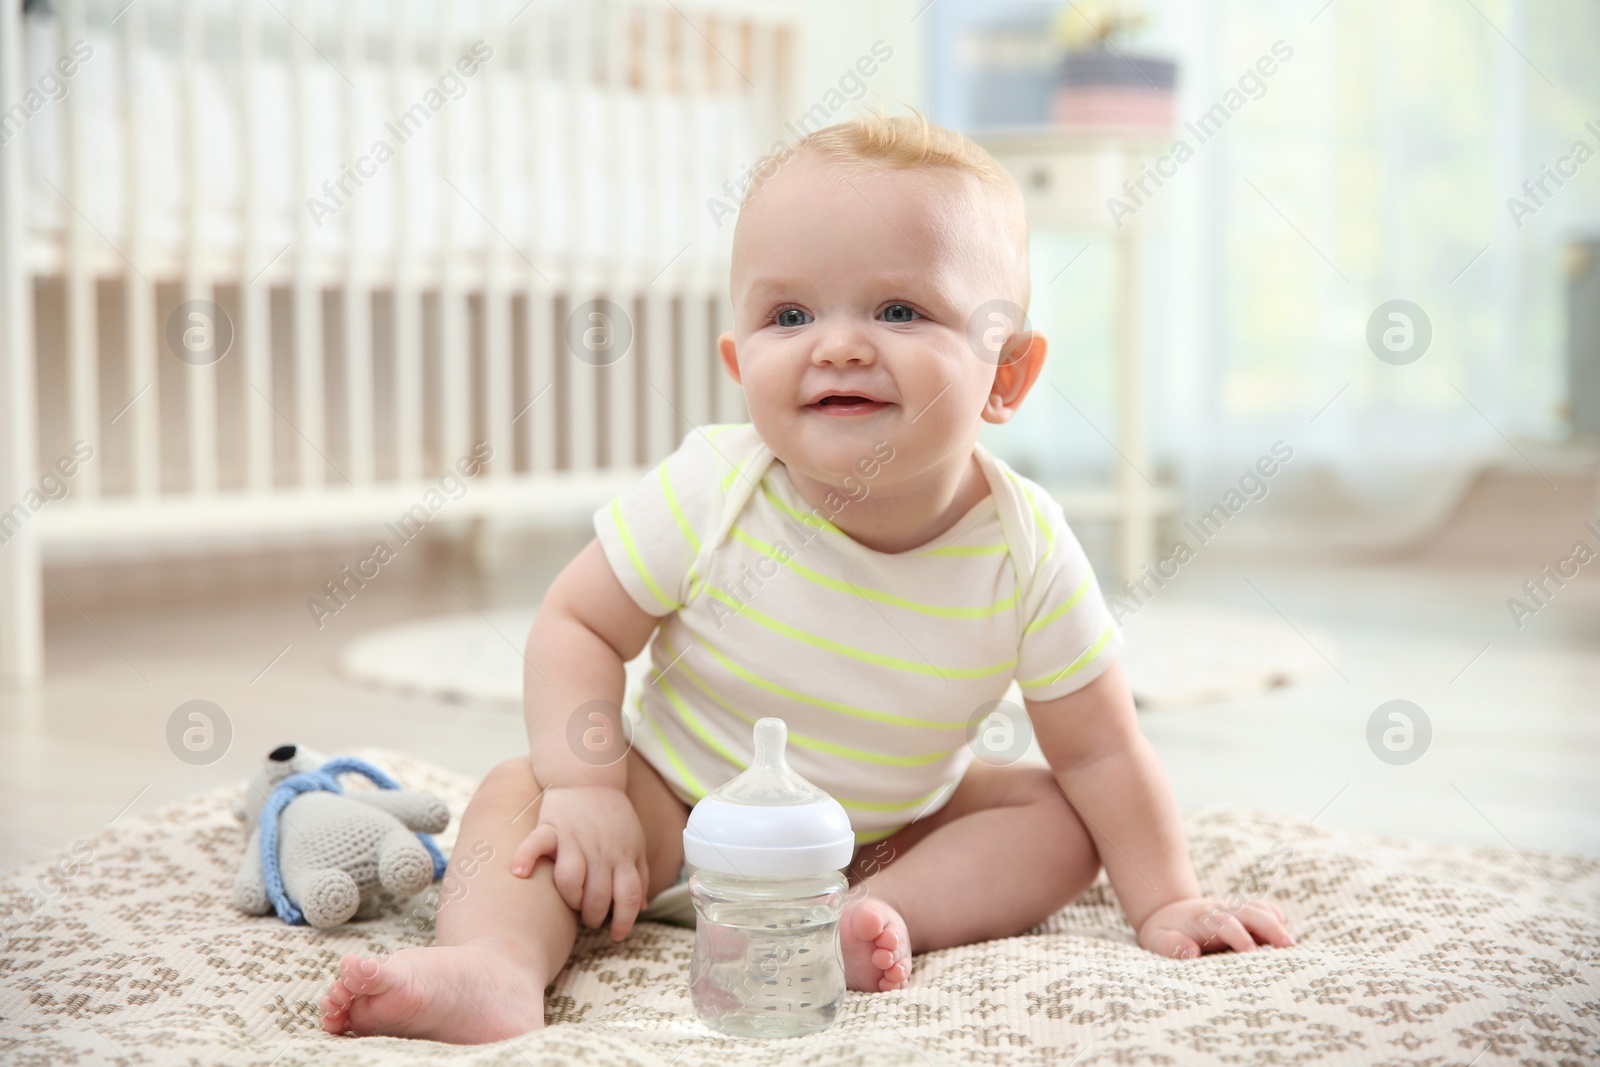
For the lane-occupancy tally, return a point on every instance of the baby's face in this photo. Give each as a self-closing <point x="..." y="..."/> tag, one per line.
<point x="865" y="285"/>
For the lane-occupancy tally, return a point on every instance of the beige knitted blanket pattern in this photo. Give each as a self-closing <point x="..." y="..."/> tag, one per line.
<point x="124" y="949"/>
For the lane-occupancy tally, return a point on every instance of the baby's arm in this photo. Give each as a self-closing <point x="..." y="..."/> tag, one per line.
<point x="1110" y="774"/>
<point x="586" y="629"/>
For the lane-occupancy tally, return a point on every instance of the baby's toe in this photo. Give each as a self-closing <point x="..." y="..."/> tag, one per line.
<point x="337" y="997"/>
<point x="335" y="1019"/>
<point x="364" y="975"/>
<point x="866" y="923"/>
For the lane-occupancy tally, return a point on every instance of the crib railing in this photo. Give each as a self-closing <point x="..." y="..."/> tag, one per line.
<point x="254" y="319"/>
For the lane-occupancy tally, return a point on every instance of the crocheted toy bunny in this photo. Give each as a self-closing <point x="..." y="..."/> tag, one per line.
<point x="337" y="855"/>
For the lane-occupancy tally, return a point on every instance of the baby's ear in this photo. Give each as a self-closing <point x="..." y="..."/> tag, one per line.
<point x="730" y="356"/>
<point x="1021" y="360"/>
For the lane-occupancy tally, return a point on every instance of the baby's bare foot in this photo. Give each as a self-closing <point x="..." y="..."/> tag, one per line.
<point x="876" y="947"/>
<point x="464" y="994"/>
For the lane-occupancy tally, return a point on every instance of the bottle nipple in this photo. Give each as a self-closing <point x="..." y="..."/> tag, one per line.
<point x="771" y="736"/>
<point x="769" y="780"/>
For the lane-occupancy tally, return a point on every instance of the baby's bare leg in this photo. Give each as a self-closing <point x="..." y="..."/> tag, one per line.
<point x="499" y="939"/>
<point x="1005" y="853"/>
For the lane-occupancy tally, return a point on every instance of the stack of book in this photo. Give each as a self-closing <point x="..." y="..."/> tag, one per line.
<point x="1111" y="90"/>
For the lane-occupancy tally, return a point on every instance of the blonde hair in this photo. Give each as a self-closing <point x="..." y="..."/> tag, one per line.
<point x="874" y="141"/>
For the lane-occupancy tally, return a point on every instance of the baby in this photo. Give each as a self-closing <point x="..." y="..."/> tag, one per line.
<point x="853" y="561"/>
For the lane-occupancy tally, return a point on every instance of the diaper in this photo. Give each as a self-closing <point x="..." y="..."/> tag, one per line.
<point x="673" y="904"/>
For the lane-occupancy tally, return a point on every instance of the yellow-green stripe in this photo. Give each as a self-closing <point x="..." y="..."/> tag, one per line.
<point x="883" y="805"/>
<point x="683" y="524"/>
<point x="1071" y="602"/>
<point x="869" y="593"/>
<point x="711" y="436"/>
<point x="672" y="756"/>
<point x="677" y="509"/>
<point x="633" y="554"/>
<point x="682" y="707"/>
<point x="822" y="702"/>
<point x="803" y="516"/>
<point x="1038" y="517"/>
<point x="877" y="659"/>
<point x="694" y="724"/>
<point x="806" y="741"/>
<point x="867" y="837"/>
<point x="1075" y="666"/>
<point x="736" y="472"/>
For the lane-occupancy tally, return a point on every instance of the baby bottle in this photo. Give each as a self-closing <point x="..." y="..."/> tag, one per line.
<point x="765" y="852"/>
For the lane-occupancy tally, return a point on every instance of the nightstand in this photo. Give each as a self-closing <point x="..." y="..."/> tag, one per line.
<point x="1067" y="177"/>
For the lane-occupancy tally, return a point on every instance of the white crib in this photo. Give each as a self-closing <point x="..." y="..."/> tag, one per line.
<point x="388" y="312"/>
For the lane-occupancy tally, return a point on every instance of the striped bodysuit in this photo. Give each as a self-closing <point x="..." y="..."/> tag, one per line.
<point x="884" y="665"/>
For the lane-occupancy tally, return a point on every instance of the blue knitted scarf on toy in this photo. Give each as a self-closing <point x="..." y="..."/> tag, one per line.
<point x="323" y="779"/>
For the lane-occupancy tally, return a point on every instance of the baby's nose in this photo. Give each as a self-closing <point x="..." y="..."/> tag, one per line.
<point x="843" y="343"/>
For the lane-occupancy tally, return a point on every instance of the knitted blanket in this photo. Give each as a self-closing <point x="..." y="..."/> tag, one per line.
<point x="1407" y="954"/>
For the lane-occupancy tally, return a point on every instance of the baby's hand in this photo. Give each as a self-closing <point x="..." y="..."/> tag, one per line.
<point x="1186" y="928"/>
<point x="594" y="836"/>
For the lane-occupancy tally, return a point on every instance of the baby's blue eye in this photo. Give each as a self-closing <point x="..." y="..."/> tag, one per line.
<point x="899" y="313"/>
<point x="792" y="317"/>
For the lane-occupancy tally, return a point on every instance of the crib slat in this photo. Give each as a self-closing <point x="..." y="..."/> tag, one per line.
<point x="496" y="385"/>
<point x="536" y="421"/>
<point x="83" y="371"/>
<point x="696" y="401"/>
<point x="21" y="603"/>
<point x="143" y="411"/>
<point x="408" y="436"/>
<point x="255" y="324"/>
<point x="539" y="411"/>
<point x="770" y="66"/>
<point x="455" y="355"/>
<point x="201" y="380"/>
<point x="778" y="61"/>
<point x="661" y="422"/>
<point x="309" y="419"/>
<point x="696" y="57"/>
<point x="357" y="295"/>
<point x="730" y="80"/>
<point x="583" y="422"/>
<point x="621" y="275"/>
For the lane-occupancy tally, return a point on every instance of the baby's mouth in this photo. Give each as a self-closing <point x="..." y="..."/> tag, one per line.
<point x="847" y="405"/>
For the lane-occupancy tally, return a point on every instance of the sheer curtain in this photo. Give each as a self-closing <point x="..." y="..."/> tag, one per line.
<point x="1374" y="164"/>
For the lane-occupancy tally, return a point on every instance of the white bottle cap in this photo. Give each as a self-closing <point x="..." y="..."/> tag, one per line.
<point x="768" y="821"/>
